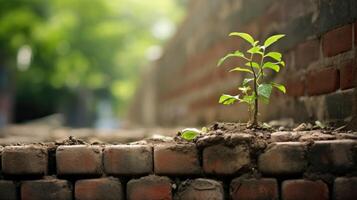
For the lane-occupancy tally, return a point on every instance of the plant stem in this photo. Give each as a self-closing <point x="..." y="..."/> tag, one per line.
<point x="261" y="66"/>
<point x="254" y="121"/>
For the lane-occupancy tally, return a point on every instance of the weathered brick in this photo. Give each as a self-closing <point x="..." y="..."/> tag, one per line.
<point x="345" y="188"/>
<point x="295" y="86"/>
<point x="101" y="188"/>
<point x="254" y="189"/>
<point x="79" y="160"/>
<point x="322" y="81"/>
<point x="24" y="160"/>
<point x="7" y="190"/>
<point x="337" y="41"/>
<point x="283" y="158"/>
<point x="304" y="189"/>
<point x="224" y="160"/>
<point x="306" y="53"/>
<point x="334" y="13"/>
<point x="348" y="74"/>
<point x="128" y="159"/>
<point x="338" y="105"/>
<point x="200" y="189"/>
<point x="149" y="187"/>
<point x="47" y="189"/>
<point x="332" y="156"/>
<point x="176" y="159"/>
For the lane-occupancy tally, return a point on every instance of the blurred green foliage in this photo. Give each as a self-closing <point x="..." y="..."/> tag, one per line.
<point x="80" y="47"/>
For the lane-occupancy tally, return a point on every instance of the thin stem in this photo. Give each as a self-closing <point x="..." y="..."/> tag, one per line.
<point x="254" y="122"/>
<point x="261" y="66"/>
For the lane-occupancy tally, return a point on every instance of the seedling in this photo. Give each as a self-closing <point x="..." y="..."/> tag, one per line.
<point x="254" y="88"/>
<point x="190" y="134"/>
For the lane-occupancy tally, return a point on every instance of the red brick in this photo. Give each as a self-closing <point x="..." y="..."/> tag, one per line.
<point x="25" y="160"/>
<point x="79" y="160"/>
<point x="295" y="86"/>
<point x="224" y="160"/>
<point x="254" y="189"/>
<point x="322" y="81"/>
<point x="49" y="189"/>
<point x="283" y="158"/>
<point x="306" y="53"/>
<point x="332" y="156"/>
<point x="176" y="159"/>
<point x="149" y="187"/>
<point x="200" y="189"/>
<point x="101" y="188"/>
<point x="337" y="41"/>
<point x="128" y="159"/>
<point x="304" y="189"/>
<point x="348" y="75"/>
<point x="7" y="190"/>
<point x="345" y="188"/>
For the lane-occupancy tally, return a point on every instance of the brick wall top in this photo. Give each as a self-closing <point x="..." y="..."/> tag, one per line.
<point x="250" y="168"/>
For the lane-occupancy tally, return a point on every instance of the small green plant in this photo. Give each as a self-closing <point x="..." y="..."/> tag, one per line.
<point x="190" y="134"/>
<point x="257" y="60"/>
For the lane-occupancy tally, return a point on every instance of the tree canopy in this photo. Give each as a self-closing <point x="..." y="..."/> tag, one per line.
<point x="59" y="49"/>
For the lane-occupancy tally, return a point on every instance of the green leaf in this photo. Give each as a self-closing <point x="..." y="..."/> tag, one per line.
<point x="264" y="90"/>
<point x="264" y="100"/>
<point x="272" y="39"/>
<point x="245" y="36"/>
<point x="249" y="99"/>
<point x="279" y="87"/>
<point x="247" y="80"/>
<point x="254" y="64"/>
<point x="190" y="134"/>
<point x="275" y="55"/>
<point x="226" y="99"/>
<point x="255" y="49"/>
<point x="282" y="63"/>
<point x="241" y="70"/>
<point x="235" y="54"/>
<point x="272" y="66"/>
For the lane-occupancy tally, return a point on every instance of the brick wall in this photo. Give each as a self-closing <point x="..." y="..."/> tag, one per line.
<point x="320" y="52"/>
<point x="234" y="166"/>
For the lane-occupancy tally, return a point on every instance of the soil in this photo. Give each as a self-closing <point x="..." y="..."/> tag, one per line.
<point x="235" y="133"/>
<point x="70" y="141"/>
<point x="231" y="134"/>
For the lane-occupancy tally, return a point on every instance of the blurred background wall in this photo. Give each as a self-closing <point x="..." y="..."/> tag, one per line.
<point x="184" y="85"/>
<point x="78" y="58"/>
